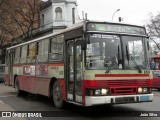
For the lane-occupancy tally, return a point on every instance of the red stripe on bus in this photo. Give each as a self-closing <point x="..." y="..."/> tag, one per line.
<point x="113" y="83"/>
<point x="89" y="83"/>
<point x="121" y="75"/>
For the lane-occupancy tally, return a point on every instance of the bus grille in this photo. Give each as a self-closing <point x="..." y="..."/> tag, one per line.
<point x="122" y="87"/>
<point x="115" y="83"/>
<point x="122" y="90"/>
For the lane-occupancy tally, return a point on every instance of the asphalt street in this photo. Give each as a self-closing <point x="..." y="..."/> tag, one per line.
<point x="42" y="104"/>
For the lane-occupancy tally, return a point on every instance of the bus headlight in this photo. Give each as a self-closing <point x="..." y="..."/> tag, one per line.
<point x="97" y="92"/>
<point x="104" y="91"/>
<point x="143" y="90"/>
<point x="140" y="90"/>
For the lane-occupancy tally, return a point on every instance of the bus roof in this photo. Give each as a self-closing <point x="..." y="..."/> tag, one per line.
<point x="75" y="26"/>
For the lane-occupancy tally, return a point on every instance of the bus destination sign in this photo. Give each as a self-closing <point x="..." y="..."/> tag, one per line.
<point x="118" y="28"/>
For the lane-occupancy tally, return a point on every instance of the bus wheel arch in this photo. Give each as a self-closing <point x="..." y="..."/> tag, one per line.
<point x="14" y="80"/>
<point x="53" y="79"/>
<point x="56" y="93"/>
<point x="16" y="86"/>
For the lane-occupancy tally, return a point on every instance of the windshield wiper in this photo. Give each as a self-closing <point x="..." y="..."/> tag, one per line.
<point x="119" y="58"/>
<point x="114" y="62"/>
<point x="132" y="58"/>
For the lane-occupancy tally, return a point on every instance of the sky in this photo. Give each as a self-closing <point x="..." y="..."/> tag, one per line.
<point x="132" y="11"/>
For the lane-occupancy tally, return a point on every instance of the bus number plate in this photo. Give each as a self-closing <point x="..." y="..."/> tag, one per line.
<point x="144" y="98"/>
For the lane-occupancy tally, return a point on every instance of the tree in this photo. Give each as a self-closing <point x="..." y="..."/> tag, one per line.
<point x="153" y="26"/>
<point x="18" y="17"/>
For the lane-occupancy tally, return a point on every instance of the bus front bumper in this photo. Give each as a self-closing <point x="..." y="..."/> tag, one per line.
<point x="97" y="100"/>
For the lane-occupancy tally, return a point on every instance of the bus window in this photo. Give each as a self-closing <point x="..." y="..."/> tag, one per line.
<point x="78" y="69"/>
<point x="43" y="51"/>
<point x="17" y="55"/>
<point x="102" y="51"/>
<point x="56" y="48"/>
<point x="134" y="47"/>
<point x="31" y="53"/>
<point x="23" y="54"/>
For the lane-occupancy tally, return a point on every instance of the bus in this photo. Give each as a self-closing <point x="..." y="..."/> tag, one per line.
<point x="89" y="63"/>
<point x="155" y="67"/>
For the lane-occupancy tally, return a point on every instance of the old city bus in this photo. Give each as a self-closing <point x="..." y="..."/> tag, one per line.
<point x="90" y="63"/>
<point x="155" y="67"/>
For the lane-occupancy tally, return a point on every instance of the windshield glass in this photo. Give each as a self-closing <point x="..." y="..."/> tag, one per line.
<point x="133" y="51"/>
<point x="103" y="52"/>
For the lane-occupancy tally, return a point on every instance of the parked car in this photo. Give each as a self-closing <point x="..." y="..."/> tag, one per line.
<point x="156" y="79"/>
<point x="2" y="70"/>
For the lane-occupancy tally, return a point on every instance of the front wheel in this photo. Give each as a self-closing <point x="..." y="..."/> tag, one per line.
<point x="158" y="89"/>
<point x="57" y="95"/>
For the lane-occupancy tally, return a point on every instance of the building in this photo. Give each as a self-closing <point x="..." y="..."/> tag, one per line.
<point x="56" y="15"/>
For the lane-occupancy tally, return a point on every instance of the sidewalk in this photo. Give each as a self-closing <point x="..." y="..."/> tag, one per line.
<point x="6" y="91"/>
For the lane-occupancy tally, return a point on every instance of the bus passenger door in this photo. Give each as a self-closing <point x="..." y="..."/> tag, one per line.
<point x="73" y="71"/>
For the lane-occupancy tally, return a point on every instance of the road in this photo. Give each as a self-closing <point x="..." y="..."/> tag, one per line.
<point x="72" y="112"/>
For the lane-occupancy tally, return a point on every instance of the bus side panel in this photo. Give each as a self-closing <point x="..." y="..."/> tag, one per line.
<point x="39" y="82"/>
<point x="156" y="83"/>
<point x="35" y="85"/>
<point x="42" y="85"/>
<point x="156" y="79"/>
<point x="56" y="70"/>
<point x="39" y="85"/>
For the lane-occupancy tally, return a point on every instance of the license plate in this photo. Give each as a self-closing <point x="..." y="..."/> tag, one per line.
<point x="124" y="99"/>
<point x="144" y="98"/>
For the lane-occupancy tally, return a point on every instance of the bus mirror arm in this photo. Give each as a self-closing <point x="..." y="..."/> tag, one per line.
<point x="148" y="42"/>
<point x="148" y="45"/>
<point x="83" y="44"/>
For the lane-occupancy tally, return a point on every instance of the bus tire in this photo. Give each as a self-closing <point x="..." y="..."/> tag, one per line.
<point x="158" y="89"/>
<point x="17" y="89"/>
<point x="57" y="95"/>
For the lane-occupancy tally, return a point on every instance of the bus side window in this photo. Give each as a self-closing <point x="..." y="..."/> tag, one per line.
<point x="31" y="53"/>
<point x="17" y="55"/>
<point x="56" y="51"/>
<point x="42" y="55"/>
<point x="23" y="57"/>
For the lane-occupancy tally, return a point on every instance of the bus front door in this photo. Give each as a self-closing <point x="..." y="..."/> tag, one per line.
<point x="74" y="71"/>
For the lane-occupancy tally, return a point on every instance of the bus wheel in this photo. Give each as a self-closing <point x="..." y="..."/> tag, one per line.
<point x="17" y="90"/>
<point x="57" y="95"/>
<point x="158" y="89"/>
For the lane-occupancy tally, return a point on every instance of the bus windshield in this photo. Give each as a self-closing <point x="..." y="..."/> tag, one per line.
<point x="105" y="52"/>
<point x="133" y="48"/>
